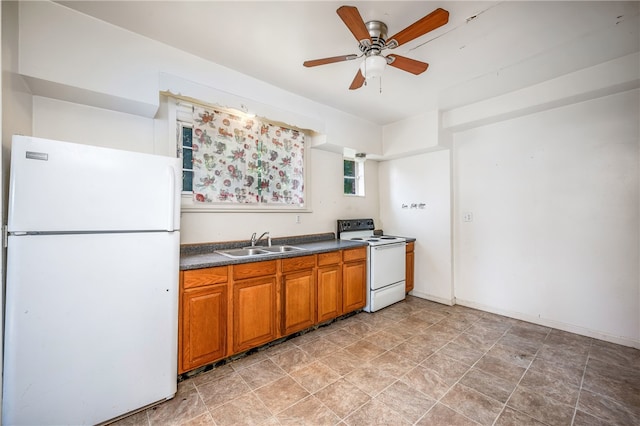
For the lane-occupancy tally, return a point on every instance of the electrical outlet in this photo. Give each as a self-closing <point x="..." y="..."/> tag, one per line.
<point x="297" y="218"/>
<point x="467" y="217"/>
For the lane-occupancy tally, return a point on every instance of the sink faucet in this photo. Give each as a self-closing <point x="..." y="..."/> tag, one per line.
<point x="255" y="240"/>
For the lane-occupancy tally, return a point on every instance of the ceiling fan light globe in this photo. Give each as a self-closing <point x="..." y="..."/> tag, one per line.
<point x="373" y="66"/>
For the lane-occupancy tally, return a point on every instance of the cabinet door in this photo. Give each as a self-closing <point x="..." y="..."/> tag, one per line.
<point x="409" y="275"/>
<point x="299" y="294"/>
<point x="254" y="312"/>
<point x="354" y="279"/>
<point x="204" y="325"/>
<point x="329" y="292"/>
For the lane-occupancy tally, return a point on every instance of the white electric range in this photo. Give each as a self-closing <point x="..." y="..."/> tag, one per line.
<point x="385" y="262"/>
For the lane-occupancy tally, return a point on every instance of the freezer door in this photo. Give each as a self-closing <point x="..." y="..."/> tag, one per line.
<point x="91" y="326"/>
<point x="65" y="187"/>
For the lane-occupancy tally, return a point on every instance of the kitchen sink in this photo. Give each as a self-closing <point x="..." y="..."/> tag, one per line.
<point x="242" y="252"/>
<point x="281" y="249"/>
<point x="257" y="251"/>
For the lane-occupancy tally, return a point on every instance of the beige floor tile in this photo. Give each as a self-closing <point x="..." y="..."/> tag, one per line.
<point x="500" y="368"/>
<point x="202" y="420"/>
<point x="463" y="354"/>
<point x="549" y="385"/>
<point x="511" y="417"/>
<point x="540" y="407"/>
<point x="375" y="412"/>
<point x="385" y="340"/>
<point x="223" y="390"/>
<point x="261" y="373"/>
<point x="488" y="384"/>
<point x="370" y="379"/>
<point x="607" y="409"/>
<point x="248" y="410"/>
<point x="315" y="376"/>
<point x="392" y="366"/>
<point x="342" y="338"/>
<point x="292" y="360"/>
<point x="426" y="381"/>
<point x="364" y="350"/>
<point x="342" y="397"/>
<point x="319" y="348"/>
<point x="342" y="362"/>
<point x="186" y="405"/>
<point x="310" y="411"/>
<point x="473" y="404"/>
<point x="281" y="394"/>
<point x="403" y="399"/>
<point x="213" y="374"/>
<point x="443" y="415"/>
<point x="137" y="419"/>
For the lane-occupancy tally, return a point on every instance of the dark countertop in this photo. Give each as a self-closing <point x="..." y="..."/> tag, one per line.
<point x="198" y="256"/>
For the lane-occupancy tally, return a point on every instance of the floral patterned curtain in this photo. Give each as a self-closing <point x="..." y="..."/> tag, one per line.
<point x="243" y="160"/>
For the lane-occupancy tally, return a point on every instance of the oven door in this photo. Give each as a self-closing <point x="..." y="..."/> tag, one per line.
<point x="387" y="264"/>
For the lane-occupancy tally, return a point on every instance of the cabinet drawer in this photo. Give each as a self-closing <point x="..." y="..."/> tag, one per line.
<point x="254" y="269"/>
<point x="331" y="258"/>
<point x="206" y="276"/>
<point x="298" y="263"/>
<point x="410" y="247"/>
<point x="359" y="253"/>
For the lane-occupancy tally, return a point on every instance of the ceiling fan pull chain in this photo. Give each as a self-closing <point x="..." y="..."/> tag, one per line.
<point x="380" y="84"/>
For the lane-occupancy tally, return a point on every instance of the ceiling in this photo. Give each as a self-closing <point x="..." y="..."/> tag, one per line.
<point x="487" y="48"/>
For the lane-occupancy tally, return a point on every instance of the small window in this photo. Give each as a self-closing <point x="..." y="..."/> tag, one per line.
<point x="353" y="177"/>
<point x="186" y="152"/>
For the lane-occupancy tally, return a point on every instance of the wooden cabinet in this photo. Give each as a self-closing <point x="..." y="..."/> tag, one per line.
<point x="203" y="317"/>
<point x="410" y="268"/>
<point x="298" y="294"/>
<point x="329" y="285"/>
<point x="254" y="305"/>
<point x="354" y="279"/>
<point x="227" y="310"/>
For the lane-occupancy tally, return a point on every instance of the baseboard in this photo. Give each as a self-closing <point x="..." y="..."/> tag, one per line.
<point x="553" y="324"/>
<point x="432" y="298"/>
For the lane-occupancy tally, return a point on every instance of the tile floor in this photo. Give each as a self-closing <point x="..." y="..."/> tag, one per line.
<point x="421" y="363"/>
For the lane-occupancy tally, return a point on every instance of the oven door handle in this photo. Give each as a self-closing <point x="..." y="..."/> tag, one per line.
<point x="389" y="246"/>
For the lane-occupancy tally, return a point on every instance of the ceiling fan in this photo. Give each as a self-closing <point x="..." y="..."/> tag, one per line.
<point x="372" y="39"/>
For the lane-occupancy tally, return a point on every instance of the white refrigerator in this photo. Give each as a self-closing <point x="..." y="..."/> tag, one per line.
<point x="92" y="282"/>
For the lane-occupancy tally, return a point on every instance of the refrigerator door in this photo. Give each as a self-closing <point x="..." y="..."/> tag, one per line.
<point x="66" y="187"/>
<point x="91" y="326"/>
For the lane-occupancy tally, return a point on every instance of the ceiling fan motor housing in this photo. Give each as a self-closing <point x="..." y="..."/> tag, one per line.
<point x="378" y="32"/>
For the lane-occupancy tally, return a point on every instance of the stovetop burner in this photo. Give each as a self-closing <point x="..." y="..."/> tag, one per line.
<point x="363" y="230"/>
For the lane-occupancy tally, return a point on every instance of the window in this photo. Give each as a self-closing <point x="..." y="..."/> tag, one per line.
<point x="231" y="159"/>
<point x="186" y="149"/>
<point x="353" y="177"/>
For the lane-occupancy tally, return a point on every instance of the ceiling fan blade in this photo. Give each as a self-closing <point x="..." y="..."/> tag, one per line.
<point x="333" y="59"/>
<point x="407" y="64"/>
<point x="434" y="20"/>
<point x="352" y="19"/>
<point x="357" y="82"/>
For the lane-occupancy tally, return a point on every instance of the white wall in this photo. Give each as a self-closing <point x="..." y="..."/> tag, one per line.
<point x="99" y="84"/>
<point x="555" y="237"/>
<point x="66" y="121"/>
<point x="423" y="178"/>
<point x="413" y="135"/>
<point x="69" y="56"/>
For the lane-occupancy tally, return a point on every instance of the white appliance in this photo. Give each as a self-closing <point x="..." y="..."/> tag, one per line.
<point x="386" y="265"/>
<point x="92" y="283"/>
